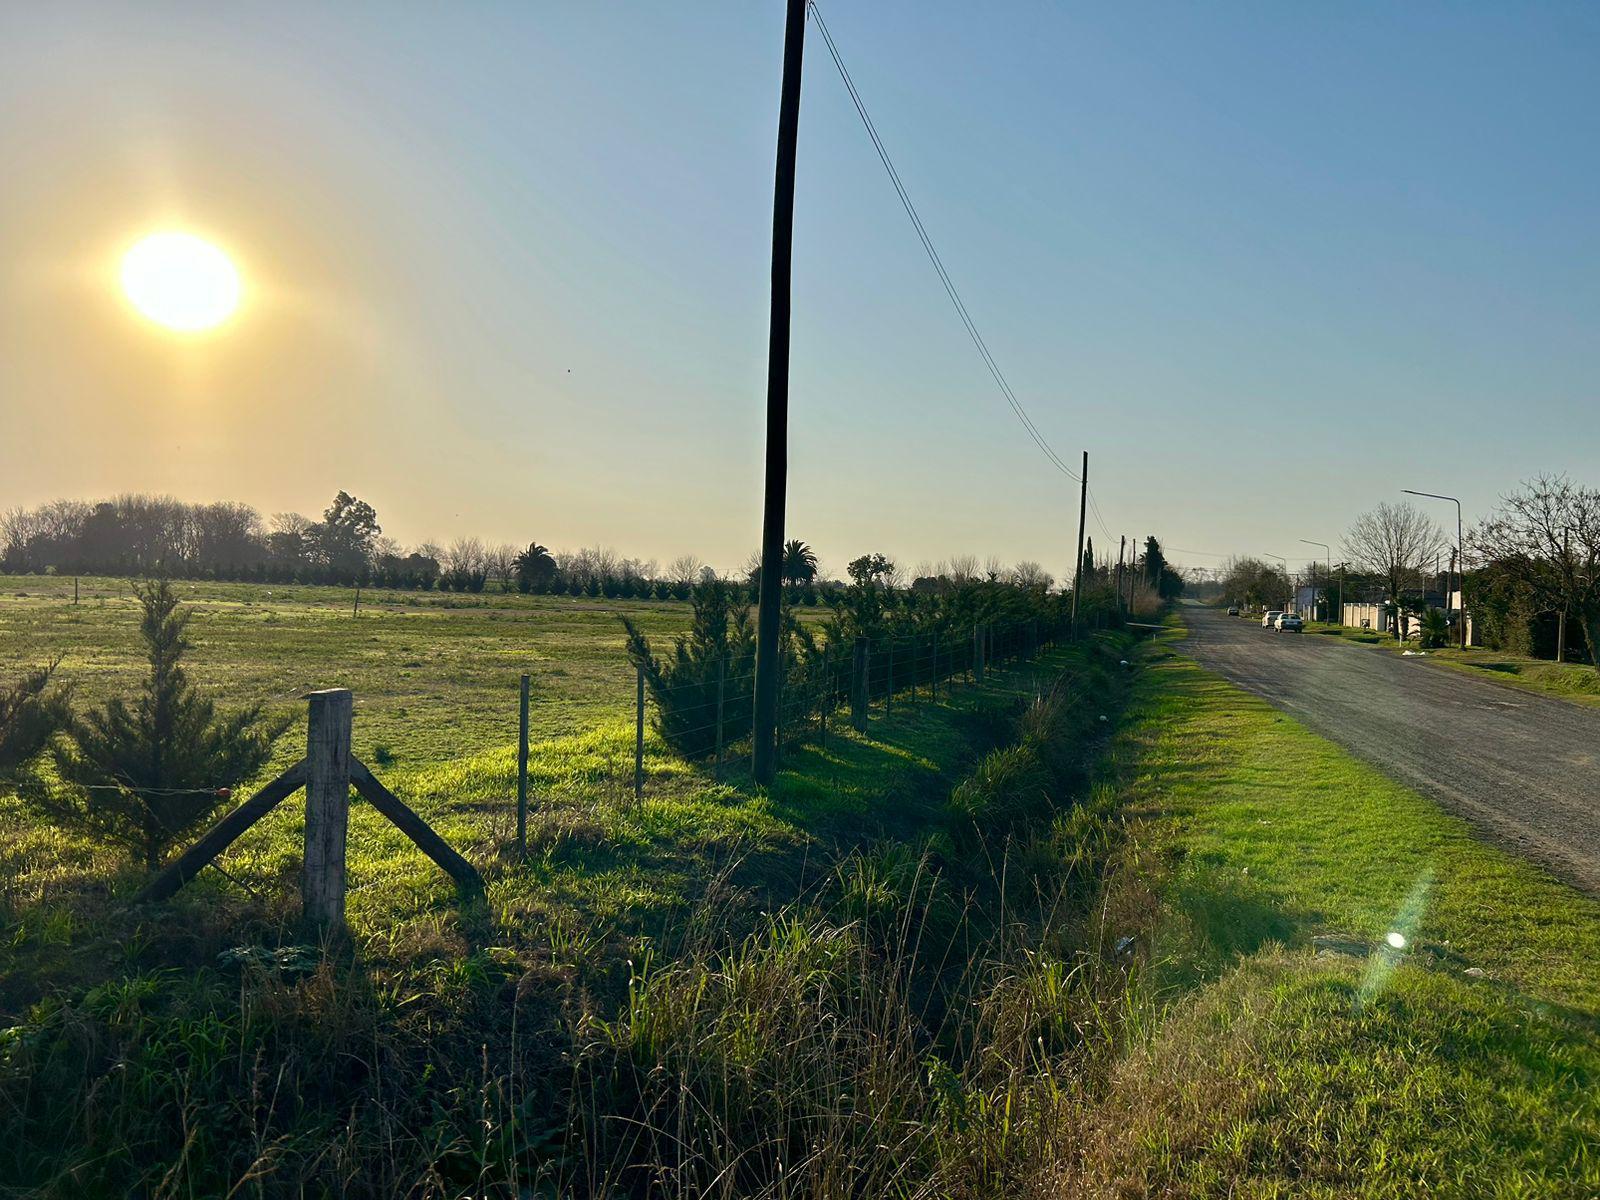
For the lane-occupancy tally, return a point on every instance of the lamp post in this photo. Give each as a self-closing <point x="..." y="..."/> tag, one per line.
<point x="1285" y="563"/>
<point x="1460" y="563"/>
<point x="1329" y="584"/>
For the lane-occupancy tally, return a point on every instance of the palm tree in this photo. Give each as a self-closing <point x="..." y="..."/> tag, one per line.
<point x="799" y="562"/>
<point x="534" y="566"/>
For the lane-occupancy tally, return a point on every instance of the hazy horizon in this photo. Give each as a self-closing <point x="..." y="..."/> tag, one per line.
<point x="505" y="268"/>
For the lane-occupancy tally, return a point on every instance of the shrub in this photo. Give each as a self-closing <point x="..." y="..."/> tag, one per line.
<point x="31" y="711"/>
<point x="684" y="685"/>
<point x="146" y="773"/>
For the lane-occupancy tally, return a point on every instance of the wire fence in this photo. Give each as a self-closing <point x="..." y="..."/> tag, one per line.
<point x="828" y="691"/>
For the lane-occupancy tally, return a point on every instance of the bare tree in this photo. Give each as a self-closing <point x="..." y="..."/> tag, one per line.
<point x="1547" y="536"/>
<point x="1393" y="541"/>
<point x="994" y="568"/>
<point x="1030" y="574"/>
<point x="963" y="568"/>
<point x="500" y="563"/>
<point x="685" y="569"/>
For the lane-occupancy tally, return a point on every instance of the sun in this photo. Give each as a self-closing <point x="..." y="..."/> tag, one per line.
<point x="180" y="281"/>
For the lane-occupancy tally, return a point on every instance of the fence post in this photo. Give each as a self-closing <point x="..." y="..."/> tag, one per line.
<point x="977" y="654"/>
<point x="888" y="680"/>
<point x="522" y="770"/>
<point x="327" y="806"/>
<point x="827" y="696"/>
<point x="858" y="686"/>
<point x="933" y="679"/>
<point x="722" y="674"/>
<point x="638" y="734"/>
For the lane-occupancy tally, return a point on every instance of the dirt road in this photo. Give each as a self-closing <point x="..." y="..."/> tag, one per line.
<point x="1522" y="768"/>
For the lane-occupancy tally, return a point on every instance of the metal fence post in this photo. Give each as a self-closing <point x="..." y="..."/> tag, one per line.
<point x="858" y="686"/>
<point x="888" y="680"/>
<point x="722" y="674"/>
<point x="522" y="771"/>
<point x="933" y="679"/>
<point x="327" y="807"/>
<point x="977" y="654"/>
<point x="638" y="735"/>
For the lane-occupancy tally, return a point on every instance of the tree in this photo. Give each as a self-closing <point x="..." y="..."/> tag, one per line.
<point x="146" y="773"/>
<point x="870" y="569"/>
<point x="799" y="562"/>
<point x="1088" y="559"/>
<point x="1546" y="537"/>
<point x="500" y="562"/>
<point x="32" y="709"/>
<point x="1392" y="542"/>
<point x="344" y="539"/>
<point x="1031" y="575"/>
<point x="535" y="568"/>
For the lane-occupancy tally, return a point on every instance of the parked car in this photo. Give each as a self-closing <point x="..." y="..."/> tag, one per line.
<point x="1271" y="618"/>
<point x="1233" y="610"/>
<point x="1288" y="621"/>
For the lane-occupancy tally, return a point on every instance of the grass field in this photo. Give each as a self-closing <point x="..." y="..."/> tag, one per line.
<point x="610" y="883"/>
<point x="1304" y="1055"/>
<point x="434" y="674"/>
<point x="903" y="970"/>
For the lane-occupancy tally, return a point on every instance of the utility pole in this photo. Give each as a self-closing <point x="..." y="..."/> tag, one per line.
<point x="1561" y="621"/>
<point x="1122" y="549"/>
<point x="1077" y="570"/>
<point x="1327" y="584"/>
<point x="764" y="733"/>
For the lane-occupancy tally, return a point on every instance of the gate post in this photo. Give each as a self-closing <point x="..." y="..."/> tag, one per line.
<point x="327" y="807"/>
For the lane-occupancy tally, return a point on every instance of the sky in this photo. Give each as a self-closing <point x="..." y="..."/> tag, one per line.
<point x="506" y="267"/>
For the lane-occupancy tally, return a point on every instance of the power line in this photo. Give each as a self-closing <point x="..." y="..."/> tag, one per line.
<point x="933" y="257"/>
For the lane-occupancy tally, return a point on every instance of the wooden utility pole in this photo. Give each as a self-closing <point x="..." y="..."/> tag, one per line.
<point x="764" y="732"/>
<point x="1122" y="549"/>
<point x="1077" y="570"/>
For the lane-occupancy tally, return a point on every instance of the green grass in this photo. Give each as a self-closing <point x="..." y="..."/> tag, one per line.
<point x="143" y="1038"/>
<point x="1465" y="1065"/>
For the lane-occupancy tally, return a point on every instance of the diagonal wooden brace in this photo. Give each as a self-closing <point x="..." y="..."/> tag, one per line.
<point x="468" y="881"/>
<point x="223" y="834"/>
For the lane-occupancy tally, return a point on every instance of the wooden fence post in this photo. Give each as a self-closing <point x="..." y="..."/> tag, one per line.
<point x="327" y="806"/>
<point x="858" y="686"/>
<point x="522" y="771"/>
<point x="638" y="735"/>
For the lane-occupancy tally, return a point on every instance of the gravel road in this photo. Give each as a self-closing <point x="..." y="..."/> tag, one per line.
<point x="1524" y="769"/>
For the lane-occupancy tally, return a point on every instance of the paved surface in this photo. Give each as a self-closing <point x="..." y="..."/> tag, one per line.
<point x="1523" y="768"/>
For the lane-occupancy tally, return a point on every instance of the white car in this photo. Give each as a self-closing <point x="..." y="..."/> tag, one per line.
<point x="1290" y="622"/>
<point x="1270" y="621"/>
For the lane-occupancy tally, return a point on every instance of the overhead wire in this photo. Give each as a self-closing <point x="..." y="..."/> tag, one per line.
<point x="933" y="257"/>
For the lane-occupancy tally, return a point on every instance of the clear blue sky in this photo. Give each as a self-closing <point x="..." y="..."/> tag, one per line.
<point x="506" y="266"/>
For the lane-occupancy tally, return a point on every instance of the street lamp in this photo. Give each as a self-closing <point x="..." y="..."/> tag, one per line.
<point x="1461" y="562"/>
<point x="1285" y="563"/>
<point x="1329" y="582"/>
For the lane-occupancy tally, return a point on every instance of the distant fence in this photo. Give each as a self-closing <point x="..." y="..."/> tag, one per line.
<point x="842" y="686"/>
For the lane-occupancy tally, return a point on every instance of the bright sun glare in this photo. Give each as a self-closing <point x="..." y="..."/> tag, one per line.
<point x="180" y="281"/>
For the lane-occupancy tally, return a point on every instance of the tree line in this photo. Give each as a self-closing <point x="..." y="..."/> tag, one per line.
<point x="147" y="536"/>
<point x="1530" y="580"/>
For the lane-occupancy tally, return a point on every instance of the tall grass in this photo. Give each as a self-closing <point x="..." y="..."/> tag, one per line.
<point x="924" y="1018"/>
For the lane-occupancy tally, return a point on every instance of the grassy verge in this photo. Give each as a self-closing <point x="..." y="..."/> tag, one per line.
<point x="714" y="958"/>
<point x="1303" y="1055"/>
